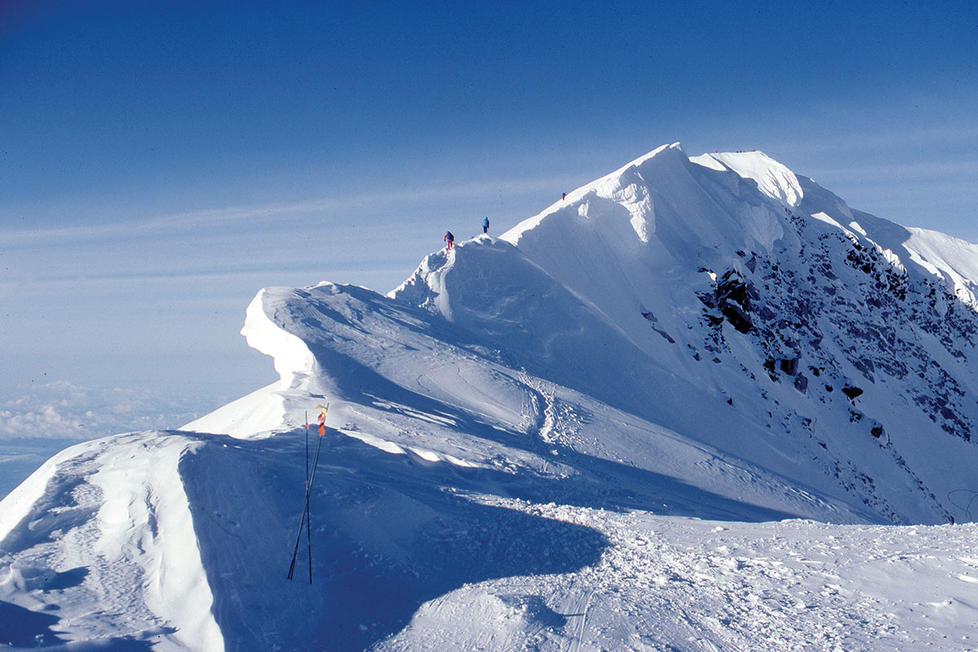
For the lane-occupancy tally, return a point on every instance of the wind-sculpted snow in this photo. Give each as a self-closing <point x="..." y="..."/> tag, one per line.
<point x="587" y="433"/>
<point x="101" y="537"/>
<point x="404" y="377"/>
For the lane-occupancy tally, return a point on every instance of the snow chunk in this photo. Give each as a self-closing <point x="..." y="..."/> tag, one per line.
<point x="427" y="286"/>
<point x="144" y="501"/>
<point x="828" y="219"/>
<point x="291" y="354"/>
<point x="115" y="508"/>
<point x="264" y="410"/>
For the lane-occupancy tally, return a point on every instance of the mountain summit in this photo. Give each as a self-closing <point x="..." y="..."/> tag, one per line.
<point x="847" y="339"/>
<point x="589" y="429"/>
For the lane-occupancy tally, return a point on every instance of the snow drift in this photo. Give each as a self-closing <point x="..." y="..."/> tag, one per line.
<point x="526" y="436"/>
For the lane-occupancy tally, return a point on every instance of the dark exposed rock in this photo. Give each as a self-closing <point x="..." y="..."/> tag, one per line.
<point x="851" y="391"/>
<point x="801" y="383"/>
<point x="790" y="367"/>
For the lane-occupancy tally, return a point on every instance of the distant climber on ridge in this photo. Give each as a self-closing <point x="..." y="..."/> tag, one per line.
<point x="485" y="225"/>
<point x="449" y="238"/>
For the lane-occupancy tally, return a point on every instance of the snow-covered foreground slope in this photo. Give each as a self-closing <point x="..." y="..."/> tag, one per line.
<point x="598" y="431"/>
<point x="414" y="554"/>
<point x="106" y="550"/>
<point x="667" y="583"/>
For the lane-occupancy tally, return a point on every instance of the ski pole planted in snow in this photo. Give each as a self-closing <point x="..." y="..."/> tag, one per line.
<point x="308" y="525"/>
<point x="304" y="518"/>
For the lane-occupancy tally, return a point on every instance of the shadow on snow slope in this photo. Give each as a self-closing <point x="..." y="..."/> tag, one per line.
<point x="343" y="326"/>
<point x="22" y="628"/>
<point x="389" y="532"/>
<point x="602" y="483"/>
<point x="387" y="536"/>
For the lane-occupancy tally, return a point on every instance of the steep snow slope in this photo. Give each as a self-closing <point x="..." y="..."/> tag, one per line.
<point x="409" y="553"/>
<point x="102" y="536"/>
<point x="524" y="436"/>
<point x="839" y="333"/>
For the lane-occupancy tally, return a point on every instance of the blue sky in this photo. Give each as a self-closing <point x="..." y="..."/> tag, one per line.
<point x="161" y="162"/>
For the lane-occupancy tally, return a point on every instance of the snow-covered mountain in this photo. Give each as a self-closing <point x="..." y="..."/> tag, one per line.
<point x="586" y="432"/>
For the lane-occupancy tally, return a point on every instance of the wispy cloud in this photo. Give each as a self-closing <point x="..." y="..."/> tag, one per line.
<point x="271" y="214"/>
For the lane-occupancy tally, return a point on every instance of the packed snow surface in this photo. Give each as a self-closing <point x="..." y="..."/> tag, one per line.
<point x="698" y="404"/>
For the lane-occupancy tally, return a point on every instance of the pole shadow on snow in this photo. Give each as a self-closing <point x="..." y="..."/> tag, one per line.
<point x="389" y="532"/>
<point x="387" y="536"/>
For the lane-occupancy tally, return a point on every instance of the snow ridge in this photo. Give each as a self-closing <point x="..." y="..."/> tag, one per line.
<point x="112" y="528"/>
<point x="679" y="409"/>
